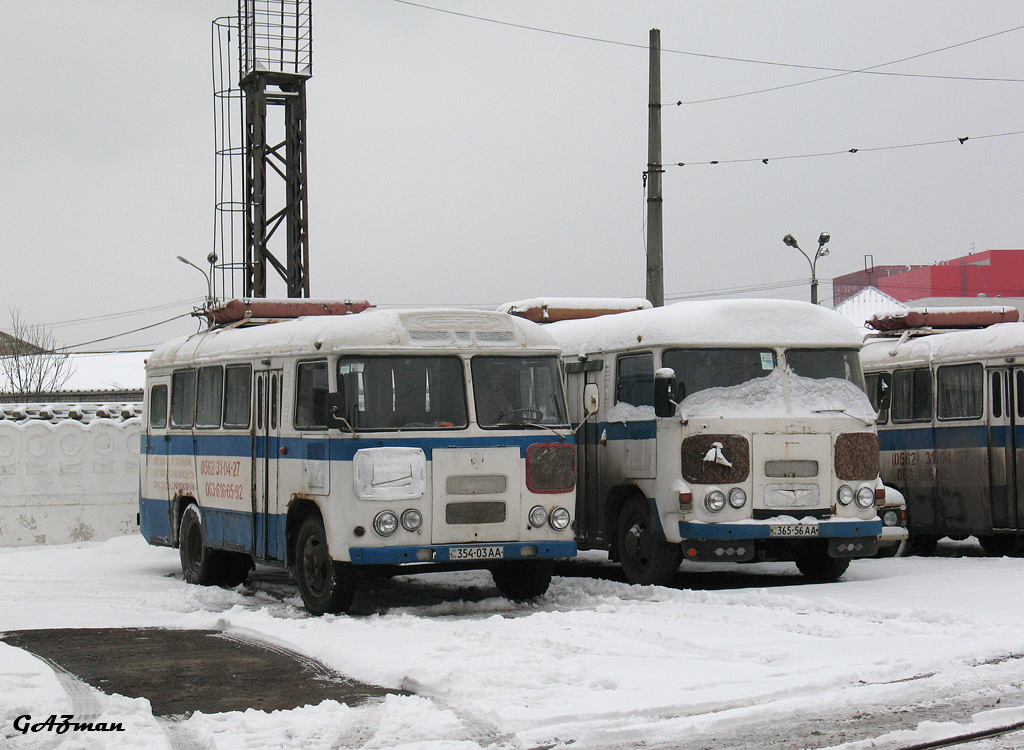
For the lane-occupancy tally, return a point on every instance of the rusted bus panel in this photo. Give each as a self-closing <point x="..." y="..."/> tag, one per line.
<point x="856" y="456"/>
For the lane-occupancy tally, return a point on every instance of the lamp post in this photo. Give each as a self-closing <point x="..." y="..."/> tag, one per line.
<point x="823" y="240"/>
<point x="212" y="257"/>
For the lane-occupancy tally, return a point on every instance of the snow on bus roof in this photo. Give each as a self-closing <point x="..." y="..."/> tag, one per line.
<point x="749" y="322"/>
<point x="372" y="329"/>
<point x="999" y="340"/>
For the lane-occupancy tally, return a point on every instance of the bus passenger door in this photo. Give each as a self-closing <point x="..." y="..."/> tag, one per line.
<point x="265" y="455"/>
<point x="589" y="513"/>
<point x="1002" y="464"/>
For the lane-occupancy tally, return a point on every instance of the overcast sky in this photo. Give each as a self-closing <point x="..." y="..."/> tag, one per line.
<point x="465" y="162"/>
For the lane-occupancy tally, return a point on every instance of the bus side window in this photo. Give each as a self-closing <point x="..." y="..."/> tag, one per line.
<point x="878" y="383"/>
<point x="1020" y="392"/>
<point x="210" y="396"/>
<point x="311" y="395"/>
<point x="158" y="406"/>
<point x="997" y="394"/>
<point x="183" y="398"/>
<point x="959" y="391"/>
<point x="237" y="396"/>
<point x="912" y="395"/>
<point x="635" y="384"/>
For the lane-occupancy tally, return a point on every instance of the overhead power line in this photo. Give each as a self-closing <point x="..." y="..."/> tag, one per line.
<point x="869" y="70"/>
<point x="766" y="159"/>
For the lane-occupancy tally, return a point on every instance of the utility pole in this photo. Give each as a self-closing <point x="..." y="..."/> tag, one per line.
<point x="655" y="253"/>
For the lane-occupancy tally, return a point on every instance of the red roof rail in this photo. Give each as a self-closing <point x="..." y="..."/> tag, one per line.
<point x="238" y="310"/>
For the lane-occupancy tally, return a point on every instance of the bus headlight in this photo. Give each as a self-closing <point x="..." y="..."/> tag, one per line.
<point x="385" y="523"/>
<point x="538" y="516"/>
<point x="559" y="519"/>
<point x="845" y="495"/>
<point x="890" y="518"/>
<point x="866" y="497"/>
<point x="412" y="519"/>
<point x="737" y="497"/>
<point x="714" y="500"/>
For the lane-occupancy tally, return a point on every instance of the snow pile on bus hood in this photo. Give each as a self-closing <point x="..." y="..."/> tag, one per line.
<point x="768" y="397"/>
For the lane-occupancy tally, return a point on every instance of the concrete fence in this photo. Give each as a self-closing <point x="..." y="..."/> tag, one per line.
<point x="68" y="473"/>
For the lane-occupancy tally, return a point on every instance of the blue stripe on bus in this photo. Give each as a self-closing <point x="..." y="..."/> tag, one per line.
<point x="941" y="436"/>
<point x="442" y="552"/>
<point x="762" y="530"/>
<point x="340" y="449"/>
<point x="641" y="429"/>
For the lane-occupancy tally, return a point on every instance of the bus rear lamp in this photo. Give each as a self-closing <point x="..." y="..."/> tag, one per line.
<point x="845" y="495"/>
<point x="865" y="497"/>
<point x="385" y="523"/>
<point x="714" y="501"/>
<point x="737" y="497"/>
<point x="412" y="519"/>
<point x="559" y="519"/>
<point x="538" y="516"/>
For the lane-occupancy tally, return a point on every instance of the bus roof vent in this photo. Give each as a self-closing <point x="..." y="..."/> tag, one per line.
<point x="268" y="310"/>
<point x="943" y="318"/>
<point x="552" y="309"/>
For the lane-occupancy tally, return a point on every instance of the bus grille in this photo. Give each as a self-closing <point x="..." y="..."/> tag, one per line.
<point x="857" y="456"/>
<point x="474" y="513"/>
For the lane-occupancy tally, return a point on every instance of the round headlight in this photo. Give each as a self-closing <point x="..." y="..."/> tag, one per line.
<point x="737" y="497"/>
<point x="538" y="516"/>
<point x="559" y="519"/>
<point x="714" y="500"/>
<point x="890" y="518"/>
<point x="845" y="495"/>
<point x="866" y="497"/>
<point x="412" y="519"/>
<point x="385" y="523"/>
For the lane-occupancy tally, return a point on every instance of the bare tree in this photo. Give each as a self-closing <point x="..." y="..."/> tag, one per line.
<point x="29" y="361"/>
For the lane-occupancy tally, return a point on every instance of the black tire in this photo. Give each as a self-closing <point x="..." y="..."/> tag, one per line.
<point x="326" y="586"/>
<point x="520" y="581"/>
<point x="646" y="559"/>
<point x="1001" y="545"/>
<point x="234" y="568"/>
<point x="922" y="545"/>
<point x="816" y="565"/>
<point x="199" y="563"/>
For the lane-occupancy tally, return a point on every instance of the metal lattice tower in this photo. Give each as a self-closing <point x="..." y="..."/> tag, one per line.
<point x="274" y="44"/>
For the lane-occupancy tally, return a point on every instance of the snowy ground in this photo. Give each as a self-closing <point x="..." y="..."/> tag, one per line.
<point x="594" y="663"/>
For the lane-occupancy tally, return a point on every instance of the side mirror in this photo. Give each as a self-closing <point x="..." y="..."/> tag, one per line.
<point x="665" y="392"/>
<point x="591" y="399"/>
<point x="334" y="408"/>
<point x="883" y="393"/>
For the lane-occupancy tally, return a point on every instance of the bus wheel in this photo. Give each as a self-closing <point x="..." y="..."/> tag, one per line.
<point x="645" y="558"/>
<point x="326" y="586"/>
<point x="814" y="562"/>
<point x="199" y="563"/>
<point x="1001" y="545"/>
<point x="524" y="580"/>
<point x="234" y="568"/>
<point x="922" y="545"/>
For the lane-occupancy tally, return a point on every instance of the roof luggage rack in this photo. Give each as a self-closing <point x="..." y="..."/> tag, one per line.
<point x="268" y="310"/>
<point x="946" y="318"/>
<point x="553" y="309"/>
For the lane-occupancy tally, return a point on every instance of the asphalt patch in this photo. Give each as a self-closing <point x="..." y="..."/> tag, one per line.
<point x="183" y="671"/>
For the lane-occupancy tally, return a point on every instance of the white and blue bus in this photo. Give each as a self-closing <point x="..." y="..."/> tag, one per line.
<point x="334" y="444"/>
<point x="726" y="431"/>
<point x="951" y="421"/>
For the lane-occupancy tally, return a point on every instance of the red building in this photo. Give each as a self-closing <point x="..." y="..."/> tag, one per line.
<point x="992" y="273"/>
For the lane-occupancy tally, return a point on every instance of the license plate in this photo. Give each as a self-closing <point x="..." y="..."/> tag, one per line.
<point x="793" y="529"/>
<point x="476" y="553"/>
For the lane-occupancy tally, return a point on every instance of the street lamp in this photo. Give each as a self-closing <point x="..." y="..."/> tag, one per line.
<point x="212" y="257"/>
<point x="823" y="240"/>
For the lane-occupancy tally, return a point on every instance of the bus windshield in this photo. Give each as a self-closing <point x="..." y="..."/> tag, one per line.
<point x="517" y="391"/>
<point x="396" y="393"/>
<point x="697" y="369"/>
<point x="827" y="363"/>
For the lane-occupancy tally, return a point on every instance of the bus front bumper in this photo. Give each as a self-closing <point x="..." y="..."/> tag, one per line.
<point x="470" y="554"/>
<point x="742" y="542"/>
